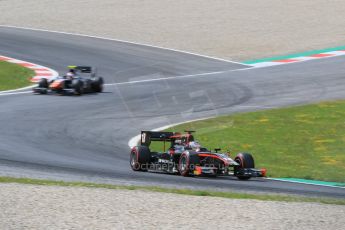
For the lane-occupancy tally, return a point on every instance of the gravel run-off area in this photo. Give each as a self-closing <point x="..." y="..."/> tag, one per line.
<point x="229" y="29"/>
<point x="50" y="207"/>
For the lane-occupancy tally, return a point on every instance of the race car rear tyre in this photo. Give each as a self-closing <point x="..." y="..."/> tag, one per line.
<point x="245" y="160"/>
<point x="43" y="83"/>
<point x="184" y="164"/>
<point x="97" y="84"/>
<point x="140" y="158"/>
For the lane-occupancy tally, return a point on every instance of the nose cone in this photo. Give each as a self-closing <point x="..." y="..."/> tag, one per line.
<point x="56" y="85"/>
<point x="263" y="172"/>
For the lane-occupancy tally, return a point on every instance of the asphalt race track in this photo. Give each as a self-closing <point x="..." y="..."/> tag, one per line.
<point x="85" y="138"/>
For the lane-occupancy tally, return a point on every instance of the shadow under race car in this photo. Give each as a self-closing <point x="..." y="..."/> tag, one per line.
<point x="181" y="158"/>
<point x="79" y="80"/>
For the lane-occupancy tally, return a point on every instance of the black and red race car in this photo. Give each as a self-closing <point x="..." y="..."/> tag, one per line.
<point x="185" y="156"/>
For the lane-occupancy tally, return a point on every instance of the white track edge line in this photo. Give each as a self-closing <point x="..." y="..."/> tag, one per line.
<point x="177" y="77"/>
<point x="123" y="41"/>
<point x="158" y="47"/>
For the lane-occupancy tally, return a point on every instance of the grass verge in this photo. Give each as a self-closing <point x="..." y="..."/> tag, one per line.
<point x="13" y="76"/>
<point x="299" y="142"/>
<point x="230" y="195"/>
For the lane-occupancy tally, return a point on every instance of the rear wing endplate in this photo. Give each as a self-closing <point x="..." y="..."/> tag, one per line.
<point x="148" y="136"/>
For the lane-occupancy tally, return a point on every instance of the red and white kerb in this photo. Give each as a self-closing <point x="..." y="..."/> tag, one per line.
<point x="299" y="59"/>
<point x="40" y="71"/>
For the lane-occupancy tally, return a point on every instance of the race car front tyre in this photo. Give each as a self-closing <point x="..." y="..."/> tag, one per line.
<point x="184" y="164"/>
<point x="245" y="161"/>
<point x="77" y="85"/>
<point x="43" y="83"/>
<point x="140" y="158"/>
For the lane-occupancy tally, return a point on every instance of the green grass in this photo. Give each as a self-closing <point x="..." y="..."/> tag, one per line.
<point x="229" y="195"/>
<point x="13" y="76"/>
<point x="302" y="142"/>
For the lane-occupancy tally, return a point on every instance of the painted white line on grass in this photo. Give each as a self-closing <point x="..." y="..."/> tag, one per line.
<point x="15" y="93"/>
<point x="256" y="106"/>
<point x="17" y="90"/>
<point x="123" y="41"/>
<point x="299" y="182"/>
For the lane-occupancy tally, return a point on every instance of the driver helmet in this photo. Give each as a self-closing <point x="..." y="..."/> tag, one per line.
<point x="69" y="75"/>
<point x="195" y="145"/>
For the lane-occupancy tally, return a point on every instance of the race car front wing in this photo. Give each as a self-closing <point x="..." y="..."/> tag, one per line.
<point x="245" y="172"/>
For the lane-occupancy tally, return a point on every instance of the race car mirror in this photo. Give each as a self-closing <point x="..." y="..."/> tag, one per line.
<point x="217" y="150"/>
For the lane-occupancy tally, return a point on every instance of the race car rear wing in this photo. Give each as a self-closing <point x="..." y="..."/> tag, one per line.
<point x="148" y="136"/>
<point x="82" y="69"/>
